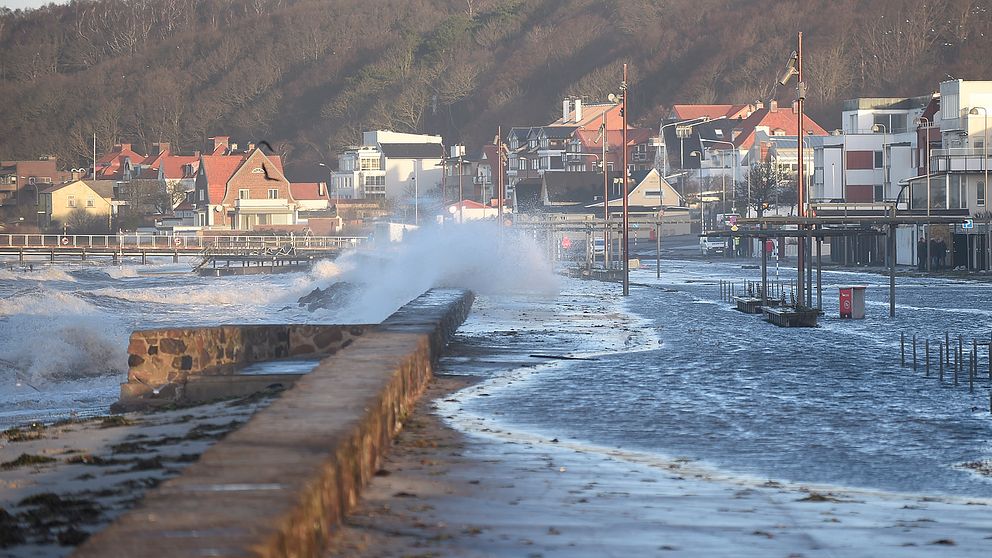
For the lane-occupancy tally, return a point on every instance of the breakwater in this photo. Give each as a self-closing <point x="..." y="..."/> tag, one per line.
<point x="280" y="484"/>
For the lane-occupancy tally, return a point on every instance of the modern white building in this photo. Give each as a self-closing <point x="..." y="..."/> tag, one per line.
<point x="390" y="166"/>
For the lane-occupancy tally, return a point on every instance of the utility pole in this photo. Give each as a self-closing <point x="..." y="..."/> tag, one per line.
<point x="623" y="185"/>
<point x="800" y="101"/>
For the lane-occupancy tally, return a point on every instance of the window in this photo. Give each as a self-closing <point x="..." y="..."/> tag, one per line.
<point x="203" y="195"/>
<point x="258" y="170"/>
<point x="652" y="193"/>
<point x="534" y="164"/>
<point x="369" y="163"/>
<point x="878" y="159"/>
<point x="273" y="193"/>
<point x="70" y="201"/>
<point x="375" y="180"/>
<point x="522" y="164"/>
<point x="90" y="202"/>
<point x="244" y="194"/>
<point x="981" y="193"/>
<point x="879" y="193"/>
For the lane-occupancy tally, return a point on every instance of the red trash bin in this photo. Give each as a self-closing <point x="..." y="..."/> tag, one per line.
<point x="852" y="302"/>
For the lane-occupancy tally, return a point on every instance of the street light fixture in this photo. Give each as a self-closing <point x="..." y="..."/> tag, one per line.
<point x="885" y="175"/>
<point x="794" y="67"/>
<point x="736" y="153"/>
<point x="985" y="185"/>
<point x="693" y="122"/>
<point x="920" y="121"/>
<point x="699" y="156"/>
<point x="622" y="98"/>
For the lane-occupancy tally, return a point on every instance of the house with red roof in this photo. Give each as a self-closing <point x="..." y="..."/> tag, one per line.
<point x="574" y="143"/>
<point x="118" y="163"/>
<point x="243" y="192"/>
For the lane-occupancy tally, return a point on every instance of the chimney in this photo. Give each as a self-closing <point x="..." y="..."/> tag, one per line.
<point x="773" y="106"/>
<point x="161" y="147"/>
<point x="564" y="110"/>
<point x="251" y="146"/>
<point x="219" y="142"/>
<point x="578" y="110"/>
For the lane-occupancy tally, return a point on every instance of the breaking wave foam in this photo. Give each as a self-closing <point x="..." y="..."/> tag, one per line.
<point x="47" y="336"/>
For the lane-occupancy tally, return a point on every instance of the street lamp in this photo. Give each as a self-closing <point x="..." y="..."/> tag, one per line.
<point x="622" y="98"/>
<point x="736" y="153"/>
<point x="926" y="232"/>
<point x="985" y="185"/>
<point x="794" y="67"/>
<point x="694" y="121"/>
<point x="699" y="155"/>
<point x="885" y="175"/>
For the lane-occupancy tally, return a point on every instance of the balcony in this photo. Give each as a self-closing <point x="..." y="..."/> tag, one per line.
<point x="266" y="203"/>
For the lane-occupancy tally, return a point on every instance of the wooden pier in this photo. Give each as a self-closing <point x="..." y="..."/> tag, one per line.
<point x="791" y="316"/>
<point x="53" y="247"/>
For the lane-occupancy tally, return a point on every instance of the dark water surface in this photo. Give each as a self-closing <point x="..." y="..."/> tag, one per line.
<point x="825" y="405"/>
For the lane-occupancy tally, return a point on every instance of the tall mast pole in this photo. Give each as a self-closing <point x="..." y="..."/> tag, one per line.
<point x="500" y="195"/>
<point x="606" y="196"/>
<point x="801" y="243"/>
<point x="623" y="185"/>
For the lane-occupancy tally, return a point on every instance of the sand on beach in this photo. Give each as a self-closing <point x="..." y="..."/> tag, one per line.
<point x="79" y="476"/>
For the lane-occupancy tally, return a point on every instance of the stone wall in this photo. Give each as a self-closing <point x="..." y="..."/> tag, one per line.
<point x="160" y="361"/>
<point x="281" y="484"/>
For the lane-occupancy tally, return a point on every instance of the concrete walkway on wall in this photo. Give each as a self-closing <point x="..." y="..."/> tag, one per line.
<point x="280" y="484"/>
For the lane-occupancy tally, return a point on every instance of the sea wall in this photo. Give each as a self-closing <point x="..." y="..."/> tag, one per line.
<point x="162" y="361"/>
<point x="281" y="484"/>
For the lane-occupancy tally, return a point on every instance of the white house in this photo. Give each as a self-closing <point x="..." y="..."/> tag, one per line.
<point x="390" y="166"/>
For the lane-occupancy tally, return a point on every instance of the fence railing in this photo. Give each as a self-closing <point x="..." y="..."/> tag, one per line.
<point x="182" y="242"/>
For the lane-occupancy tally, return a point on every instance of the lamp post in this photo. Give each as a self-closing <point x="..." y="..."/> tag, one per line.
<point x="622" y="98"/>
<point x="699" y="156"/>
<point x="926" y="232"/>
<point x="661" y="133"/>
<point x="885" y="175"/>
<point x="795" y="68"/>
<point x="736" y="153"/>
<point x="985" y="185"/>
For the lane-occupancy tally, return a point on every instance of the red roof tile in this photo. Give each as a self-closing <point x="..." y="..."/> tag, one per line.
<point x="173" y="166"/>
<point x="307" y="191"/>
<point x="218" y="169"/>
<point x="779" y="122"/>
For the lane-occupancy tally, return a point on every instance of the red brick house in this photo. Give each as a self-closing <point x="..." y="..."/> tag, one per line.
<point x="243" y="192"/>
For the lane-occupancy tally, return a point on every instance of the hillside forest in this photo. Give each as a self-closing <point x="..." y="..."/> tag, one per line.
<point x="309" y="75"/>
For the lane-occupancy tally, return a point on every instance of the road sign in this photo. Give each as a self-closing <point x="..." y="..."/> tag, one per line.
<point x="968" y="224"/>
<point x="734" y="228"/>
<point x="566" y="243"/>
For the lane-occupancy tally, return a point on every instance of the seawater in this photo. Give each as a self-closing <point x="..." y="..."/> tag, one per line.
<point x="830" y="405"/>
<point x="64" y="329"/>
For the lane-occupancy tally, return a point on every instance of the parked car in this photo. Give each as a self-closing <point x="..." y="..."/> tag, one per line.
<point x="712" y="245"/>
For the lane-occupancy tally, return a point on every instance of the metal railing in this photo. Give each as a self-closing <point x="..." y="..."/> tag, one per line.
<point x="181" y="242"/>
<point x="959" y="152"/>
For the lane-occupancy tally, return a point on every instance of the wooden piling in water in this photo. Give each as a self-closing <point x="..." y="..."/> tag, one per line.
<point x="902" y="349"/>
<point x="914" y="351"/>
<point x="926" y="348"/>
<point x="940" y="359"/>
<point x="971" y="373"/>
<point x="947" y="354"/>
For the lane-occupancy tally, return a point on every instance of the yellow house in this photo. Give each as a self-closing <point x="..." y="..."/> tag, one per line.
<point x="58" y="202"/>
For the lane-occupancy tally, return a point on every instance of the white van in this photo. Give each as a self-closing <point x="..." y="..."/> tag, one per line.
<point x="712" y="245"/>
